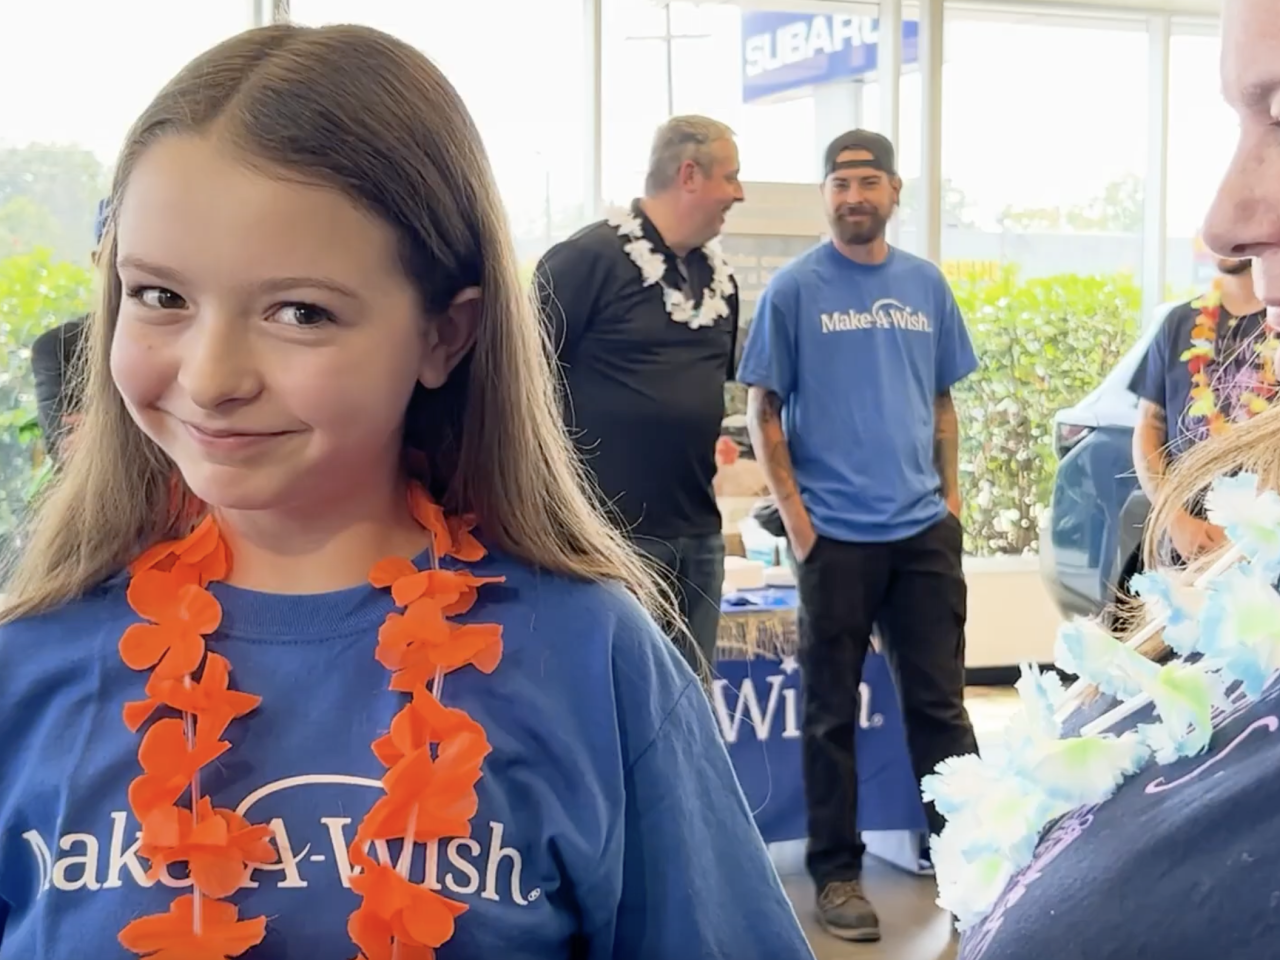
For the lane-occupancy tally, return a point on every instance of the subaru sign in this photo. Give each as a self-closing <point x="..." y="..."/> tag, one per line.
<point x="787" y="53"/>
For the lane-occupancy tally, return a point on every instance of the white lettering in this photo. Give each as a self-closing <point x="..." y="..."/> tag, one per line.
<point x="432" y="866"/>
<point x="341" y="858"/>
<point x="44" y="859"/>
<point x="844" y="27"/>
<point x="287" y="864"/>
<point x="339" y="842"/>
<point x="884" y="314"/>
<point x="749" y="705"/>
<point x="120" y="858"/>
<point x="468" y="869"/>
<point x="77" y="865"/>
<point x="759" y="54"/>
<point x="819" y="37"/>
<point x="793" y="43"/>
<point x="87" y="862"/>
<point x="804" y="39"/>
<point x="866" y="719"/>
<point x="790" y="713"/>
<point x="498" y="853"/>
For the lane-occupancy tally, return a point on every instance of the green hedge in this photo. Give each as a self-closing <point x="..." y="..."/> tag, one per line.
<point x="36" y="292"/>
<point x="1043" y="344"/>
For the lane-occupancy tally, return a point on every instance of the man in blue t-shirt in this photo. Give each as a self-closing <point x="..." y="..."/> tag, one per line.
<point x="1170" y="419"/>
<point x="850" y="362"/>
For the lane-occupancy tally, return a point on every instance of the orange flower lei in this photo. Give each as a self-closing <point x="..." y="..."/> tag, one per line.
<point x="430" y="793"/>
<point x="1200" y="357"/>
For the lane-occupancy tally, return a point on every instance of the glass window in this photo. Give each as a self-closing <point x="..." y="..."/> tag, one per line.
<point x="71" y="95"/>
<point x="1047" y="157"/>
<point x="1202" y="135"/>
<point x="777" y="141"/>
<point x="908" y="147"/>
<point x="521" y="67"/>
<point x="1044" y="155"/>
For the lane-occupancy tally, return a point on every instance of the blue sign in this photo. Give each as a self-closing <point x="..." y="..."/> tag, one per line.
<point x="786" y="53"/>
<point x="758" y="705"/>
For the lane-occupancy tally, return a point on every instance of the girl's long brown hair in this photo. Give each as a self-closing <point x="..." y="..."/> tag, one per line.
<point x="366" y="114"/>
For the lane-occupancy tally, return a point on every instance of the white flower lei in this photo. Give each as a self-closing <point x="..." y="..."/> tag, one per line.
<point x="997" y="811"/>
<point x="653" y="269"/>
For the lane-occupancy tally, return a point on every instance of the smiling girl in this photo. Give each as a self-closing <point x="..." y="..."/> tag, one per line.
<point x="318" y="638"/>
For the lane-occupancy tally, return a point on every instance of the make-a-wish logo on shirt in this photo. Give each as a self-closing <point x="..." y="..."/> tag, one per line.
<point x="465" y="866"/>
<point x="886" y="314"/>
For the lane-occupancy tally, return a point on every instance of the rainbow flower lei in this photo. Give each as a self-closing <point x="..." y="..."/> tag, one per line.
<point x="1200" y="358"/>
<point x="1226" y="631"/>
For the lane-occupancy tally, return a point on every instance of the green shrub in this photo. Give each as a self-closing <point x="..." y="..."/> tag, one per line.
<point x="36" y="293"/>
<point x="1042" y="345"/>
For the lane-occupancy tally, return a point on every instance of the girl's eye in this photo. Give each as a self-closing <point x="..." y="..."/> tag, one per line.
<point x="157" y="298"/>
<point x="301" y="315"/>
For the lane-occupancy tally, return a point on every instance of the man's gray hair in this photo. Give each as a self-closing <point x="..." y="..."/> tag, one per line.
<point x="678" y="140"/>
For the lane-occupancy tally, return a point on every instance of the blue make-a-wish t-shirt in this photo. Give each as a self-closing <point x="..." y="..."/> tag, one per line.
<point x="858" y="354"/>
<point x="610" y="822"/>
<point x="1179" y="865"/>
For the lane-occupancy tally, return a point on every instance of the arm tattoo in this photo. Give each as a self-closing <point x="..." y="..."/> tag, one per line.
<point x="764" y="422"/>
<point x="946" y="444"/>
<point x="1150" y="447"/>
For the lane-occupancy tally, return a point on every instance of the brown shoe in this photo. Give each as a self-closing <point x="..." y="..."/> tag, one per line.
<point x="844" y="912"/>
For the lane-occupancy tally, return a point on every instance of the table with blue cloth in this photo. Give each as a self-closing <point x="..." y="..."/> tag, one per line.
<point x="756" y="698"/>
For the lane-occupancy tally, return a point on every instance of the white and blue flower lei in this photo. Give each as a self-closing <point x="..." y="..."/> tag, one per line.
<point x="1227" y="623"/>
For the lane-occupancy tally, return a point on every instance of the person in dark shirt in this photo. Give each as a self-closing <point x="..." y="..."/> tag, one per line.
<point x="642" y="311"/>
<point x="53" y="356"/>
<point x="1205" y="370"/>
<point x="53" y="360"/>
<point x="1177" y="864"/>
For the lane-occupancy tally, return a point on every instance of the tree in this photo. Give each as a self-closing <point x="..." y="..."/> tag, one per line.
<point x="49" y="197"/>
<point x="1031" y="219"/>
<point x="955" y="204"/>
<point x="1119" y="209"/>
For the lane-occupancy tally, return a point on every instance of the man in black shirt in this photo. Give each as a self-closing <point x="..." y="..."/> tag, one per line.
<point x="53" y="355"/>
<point x="53" y="365"/>
<point x="642" y="311"/>
<point x="1207" y="368"/>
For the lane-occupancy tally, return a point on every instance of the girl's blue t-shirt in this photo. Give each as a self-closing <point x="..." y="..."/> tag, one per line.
<point x="610" y="822"/>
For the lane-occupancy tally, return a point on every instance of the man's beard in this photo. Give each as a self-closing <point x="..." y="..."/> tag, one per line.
<point x="1234" y="268"/>
<point x="856" y="233"/>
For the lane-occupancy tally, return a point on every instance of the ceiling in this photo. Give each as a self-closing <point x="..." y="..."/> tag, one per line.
<point x="1121" y="8"/>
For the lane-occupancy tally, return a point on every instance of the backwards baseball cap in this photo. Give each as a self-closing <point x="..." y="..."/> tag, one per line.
<point x="879" y="147"/>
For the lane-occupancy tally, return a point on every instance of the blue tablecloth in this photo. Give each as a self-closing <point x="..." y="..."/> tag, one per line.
<point x="756" y="697"/>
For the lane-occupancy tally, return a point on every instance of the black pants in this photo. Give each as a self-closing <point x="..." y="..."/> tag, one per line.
<point x="695" y="566"/>
<point x="914" y="592"/>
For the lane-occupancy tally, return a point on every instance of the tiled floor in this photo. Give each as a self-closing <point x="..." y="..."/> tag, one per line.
<point x="912" y="926"/>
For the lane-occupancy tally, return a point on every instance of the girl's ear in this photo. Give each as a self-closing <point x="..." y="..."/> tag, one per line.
<point x="448" y="337"/>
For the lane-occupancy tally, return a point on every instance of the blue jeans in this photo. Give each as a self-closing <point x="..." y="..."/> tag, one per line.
<point x="695" y="566"/>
